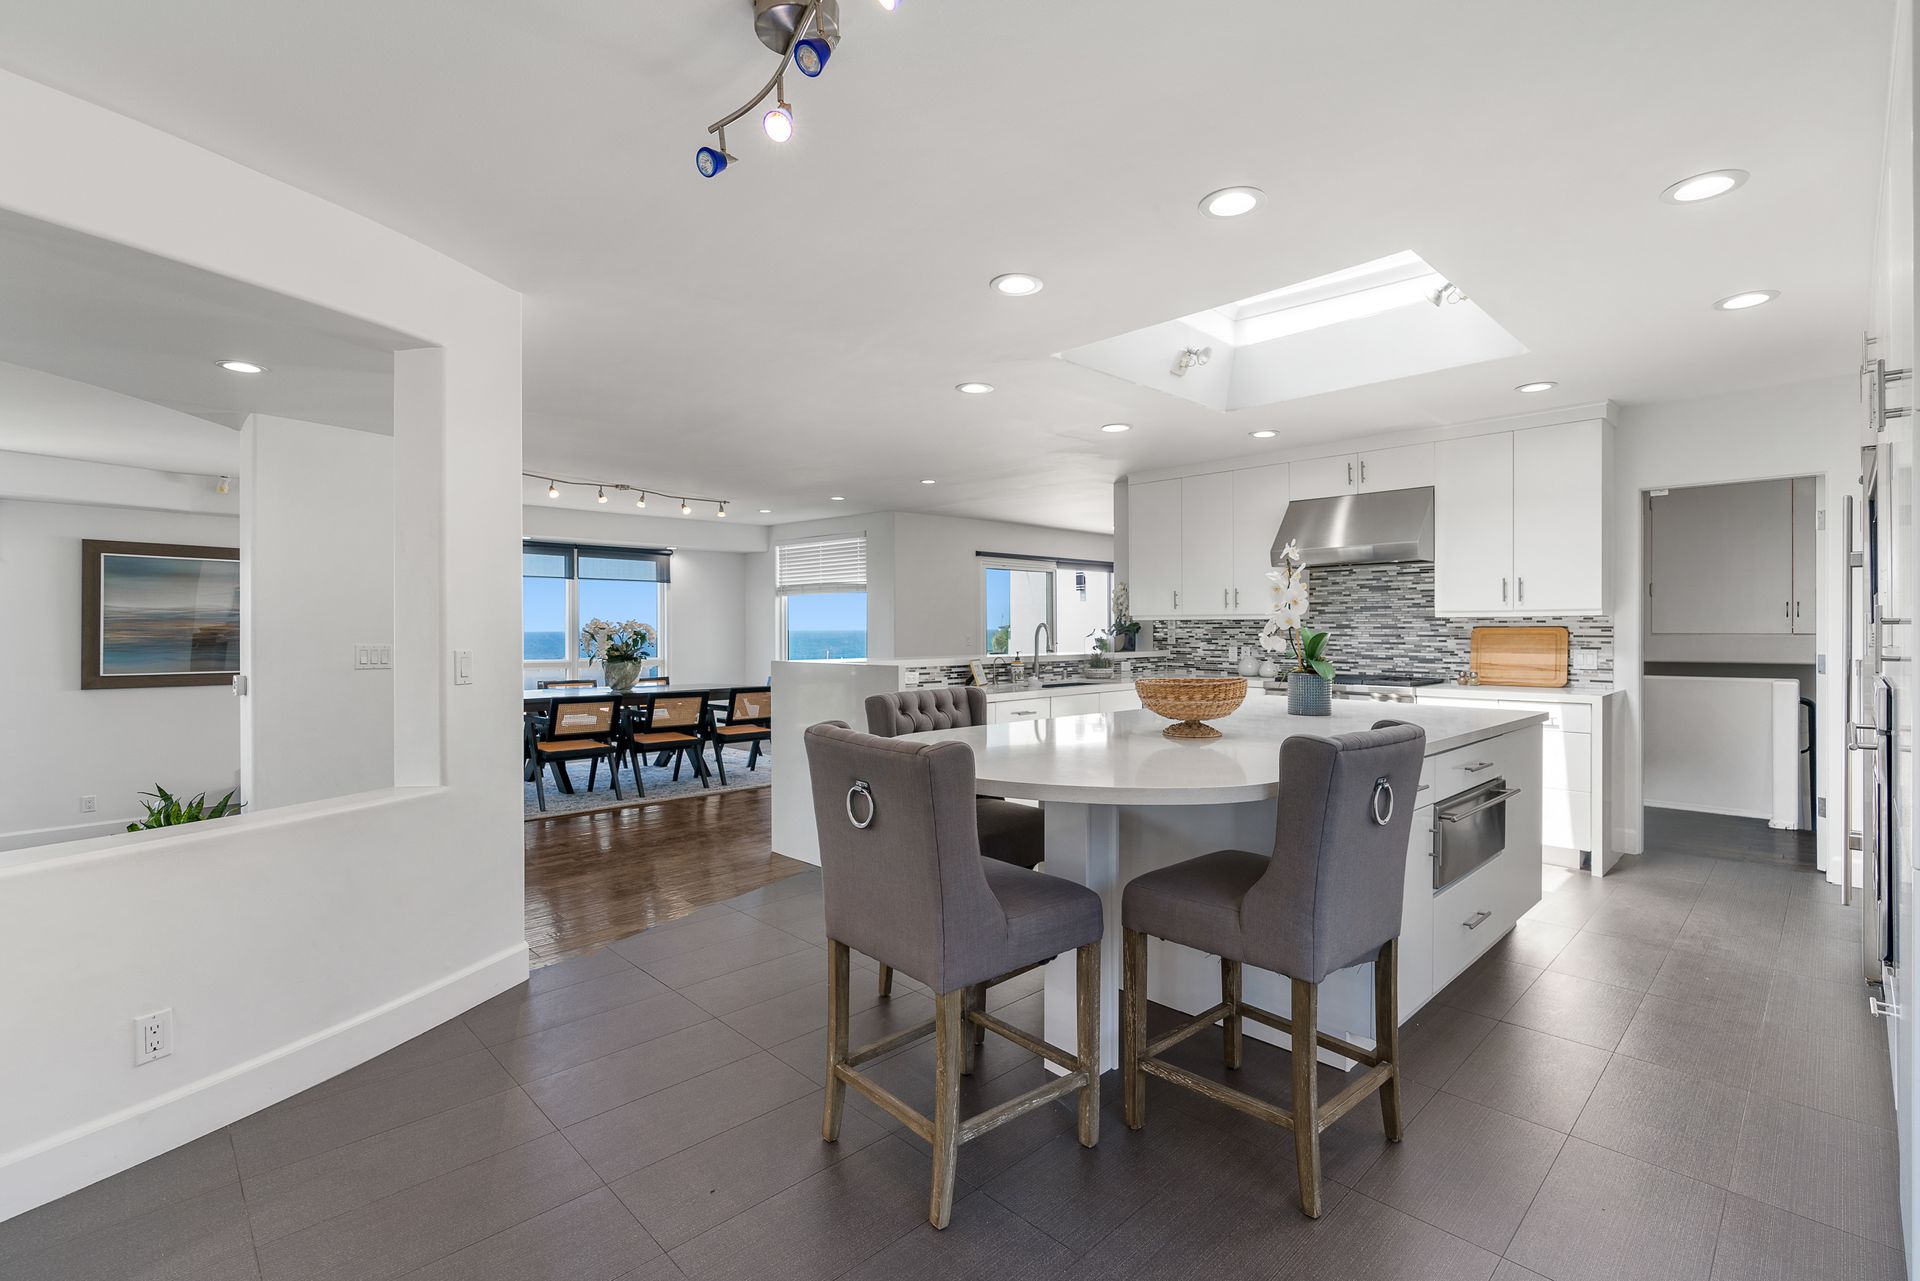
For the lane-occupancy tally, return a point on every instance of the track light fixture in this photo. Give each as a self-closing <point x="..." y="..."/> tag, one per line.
<point x="723" y="511"/>
<point x="603" y="490"/>
<point x="1190" y="358"/>
<point x="1447" y="293"/>
<point x="804" y="33"/>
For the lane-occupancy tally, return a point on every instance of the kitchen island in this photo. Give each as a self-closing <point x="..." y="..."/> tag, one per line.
<point x="1121" y="799"/>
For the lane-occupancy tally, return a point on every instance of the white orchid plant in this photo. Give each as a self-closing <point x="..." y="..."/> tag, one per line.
<point x="1286" y="628"/>
<point x="627" y="642"/>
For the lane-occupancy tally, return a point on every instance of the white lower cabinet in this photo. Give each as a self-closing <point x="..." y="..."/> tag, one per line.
<point x="1416" y="916"/>
<point x="1119" y="700"/>
<point x="1007" y="710"/>
<point x="1075" y="704"/>
<point x="1474" y="912"/>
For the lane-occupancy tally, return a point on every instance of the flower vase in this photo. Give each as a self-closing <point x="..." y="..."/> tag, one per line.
<point x="622" y="675"/>
<point x="1309" y="694"/>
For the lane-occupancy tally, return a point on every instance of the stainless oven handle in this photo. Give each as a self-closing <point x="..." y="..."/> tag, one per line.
<point x="1498" y="798"/>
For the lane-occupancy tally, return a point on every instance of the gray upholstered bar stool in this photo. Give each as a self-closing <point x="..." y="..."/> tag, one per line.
<point x="904" y="882"/>
<point x="1012" y="833"/>
<point x="1329" y="897"/>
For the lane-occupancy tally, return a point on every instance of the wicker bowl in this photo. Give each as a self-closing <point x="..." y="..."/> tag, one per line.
<point x="1189" y="701"/>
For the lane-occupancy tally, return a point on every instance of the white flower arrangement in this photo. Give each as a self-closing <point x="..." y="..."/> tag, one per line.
<point x="626" y="642"/>
<point x="1285" y="630"/>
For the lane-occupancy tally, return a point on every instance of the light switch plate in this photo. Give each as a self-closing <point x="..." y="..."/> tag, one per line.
<point x="463" y="667"/>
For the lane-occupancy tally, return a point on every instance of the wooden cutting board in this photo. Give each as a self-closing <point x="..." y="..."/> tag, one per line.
<point x="1534" y="656"/>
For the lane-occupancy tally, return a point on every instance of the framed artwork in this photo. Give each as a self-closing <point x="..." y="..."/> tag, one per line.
<point x="158" y="614"/>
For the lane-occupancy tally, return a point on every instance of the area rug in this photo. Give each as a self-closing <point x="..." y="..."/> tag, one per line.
<point x="659" y="780"/>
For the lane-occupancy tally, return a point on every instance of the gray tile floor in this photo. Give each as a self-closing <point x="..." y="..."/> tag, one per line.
<point x="1668" y="1073"/>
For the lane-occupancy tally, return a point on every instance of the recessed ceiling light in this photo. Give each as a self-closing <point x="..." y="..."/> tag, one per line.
<point x="974" y="389"/>
<point x="1117" y="427"/>
<point x="929" y="482"/>
<point x="1231" y="202"/>
<point x="836" y="499"/>
<point x="1704" y="186"/>
<point x="1263" y="434"/>
<point x="1017" y="284"/>
<point x="1751" y="298"/>
<point x="1533" y="387"/>
<point x="766" y="511"/>
<point x="242" y="367"/>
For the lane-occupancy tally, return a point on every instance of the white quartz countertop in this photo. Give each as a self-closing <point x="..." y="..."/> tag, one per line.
<point x="1122" y="758"/>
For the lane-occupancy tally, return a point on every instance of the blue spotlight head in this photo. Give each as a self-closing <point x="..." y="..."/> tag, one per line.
<point x="810" y="56"/>
<point x="710" y="162"/>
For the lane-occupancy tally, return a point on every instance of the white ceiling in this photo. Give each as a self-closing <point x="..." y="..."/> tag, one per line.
<point x="794" y="328"/>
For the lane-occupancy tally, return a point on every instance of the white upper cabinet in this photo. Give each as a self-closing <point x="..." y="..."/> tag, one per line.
<point x="1324" y="477"/>
<point x="1206" y="546"/>
<point x="1473" y="525"/>
<point x="1806" y="520"/>
<point x="1154" y="547"/>
<point x="1259" y="501"/>
<point x="1558" y="519"/>
<point x="1407" y="467"/>
<point x="1720" y="560"/>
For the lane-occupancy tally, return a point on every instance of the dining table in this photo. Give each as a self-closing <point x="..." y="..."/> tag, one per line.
<point x="715" y="695"/>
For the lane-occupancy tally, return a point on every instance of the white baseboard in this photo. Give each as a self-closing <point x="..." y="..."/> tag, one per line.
<point x="50" y="1168"/>
<point x="1762" y="815"/>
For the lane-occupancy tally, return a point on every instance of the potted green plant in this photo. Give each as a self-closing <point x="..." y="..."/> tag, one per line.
<point x="1125" y="629"/>
<point x="620" y="647"/>
<point x="1310" y="680"/>
<point x="1100" y="662"/>
<point x="164" y="809"/>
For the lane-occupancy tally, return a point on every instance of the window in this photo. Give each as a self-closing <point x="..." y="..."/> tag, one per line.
<point x="1018" y="594"/>
<point x="821" y="589"/>
<point x="563" y="586"/>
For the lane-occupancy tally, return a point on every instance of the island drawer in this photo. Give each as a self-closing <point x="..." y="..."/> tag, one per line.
<point x="1477" y="764"/>
<point x="1005" y="710"/>
<point x="1475" y="912"/>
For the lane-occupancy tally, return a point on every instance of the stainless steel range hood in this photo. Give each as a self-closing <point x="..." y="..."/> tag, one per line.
<point x="1385" y="527"/>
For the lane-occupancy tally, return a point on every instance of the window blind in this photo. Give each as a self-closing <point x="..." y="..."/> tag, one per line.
<point x="563" y="560"/>
<point x="821" y="565"/>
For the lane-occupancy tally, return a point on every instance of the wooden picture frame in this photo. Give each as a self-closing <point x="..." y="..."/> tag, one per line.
<point x="158" y="614"/>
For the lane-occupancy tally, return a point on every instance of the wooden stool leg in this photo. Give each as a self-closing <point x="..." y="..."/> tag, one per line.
<point x="947" y="1032"/>
<point x="1386" y="1031"/>
<point x="1133" y="1028"/>
<point x="976" y="1035"/>
<point x="838" y="993"/>
<point x="886" y="980"/>
<point x="1087" y="992"/>
<point x="1306" y="1094"/>
<point x="1230" y="995"/>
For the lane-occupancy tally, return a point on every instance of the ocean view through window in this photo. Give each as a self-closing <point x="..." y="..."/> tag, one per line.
<point x="821" y="588"/>
<point x="563" y="587"/>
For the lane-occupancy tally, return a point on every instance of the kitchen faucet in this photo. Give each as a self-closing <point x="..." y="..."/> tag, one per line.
<point x="1037" y="651"/>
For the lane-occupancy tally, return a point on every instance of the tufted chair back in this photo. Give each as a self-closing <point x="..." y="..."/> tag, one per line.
<point x="914" y="711"/>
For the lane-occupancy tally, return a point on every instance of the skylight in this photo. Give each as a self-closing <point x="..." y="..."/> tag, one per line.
<point x="1388" y="318"/>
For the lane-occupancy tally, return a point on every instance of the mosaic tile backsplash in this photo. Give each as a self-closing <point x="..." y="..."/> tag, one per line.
<point x="1381" y="619"/>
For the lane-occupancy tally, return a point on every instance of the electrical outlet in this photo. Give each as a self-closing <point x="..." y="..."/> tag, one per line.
<point x="1586" y="660"/>
<point x="89" y="804"/>
<point x="152" y="1036"/>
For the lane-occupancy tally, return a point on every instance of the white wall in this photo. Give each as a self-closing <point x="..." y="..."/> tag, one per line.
<point x="1805" y="429"/>
<point x="293" y="943"/>
<point x="64" y="742"/>
<point x="936" y="596"/>
<point x="1720" y="745"/>
<point x="317" y="530"/>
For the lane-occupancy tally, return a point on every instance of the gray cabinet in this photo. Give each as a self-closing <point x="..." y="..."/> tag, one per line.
<point x="1721" y="559"/>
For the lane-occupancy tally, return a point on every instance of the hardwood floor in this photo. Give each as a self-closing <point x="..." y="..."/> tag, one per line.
<point x="594" y="878"/>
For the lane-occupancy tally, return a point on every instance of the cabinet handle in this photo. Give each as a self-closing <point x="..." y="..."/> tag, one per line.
<point x="1475" y="921"/>
<point x="1796" y="609"/>
<point x="1503" y="591"/>
<point x="1349" y="473"/>
<point x="1176" y="598"/>
<point x="1519" y="591"/>
<point x="1225" y="603"/>
<point x="1789" y="609"/>
<point x="1363" y="471"/>
<point x="1475" y="769"/>
<point x="1236" y="598"/>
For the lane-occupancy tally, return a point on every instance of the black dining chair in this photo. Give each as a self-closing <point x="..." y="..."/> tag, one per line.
<point x="665" y="724"/>
<point x="577" y="729"/>
<point x="748" y="723"/>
